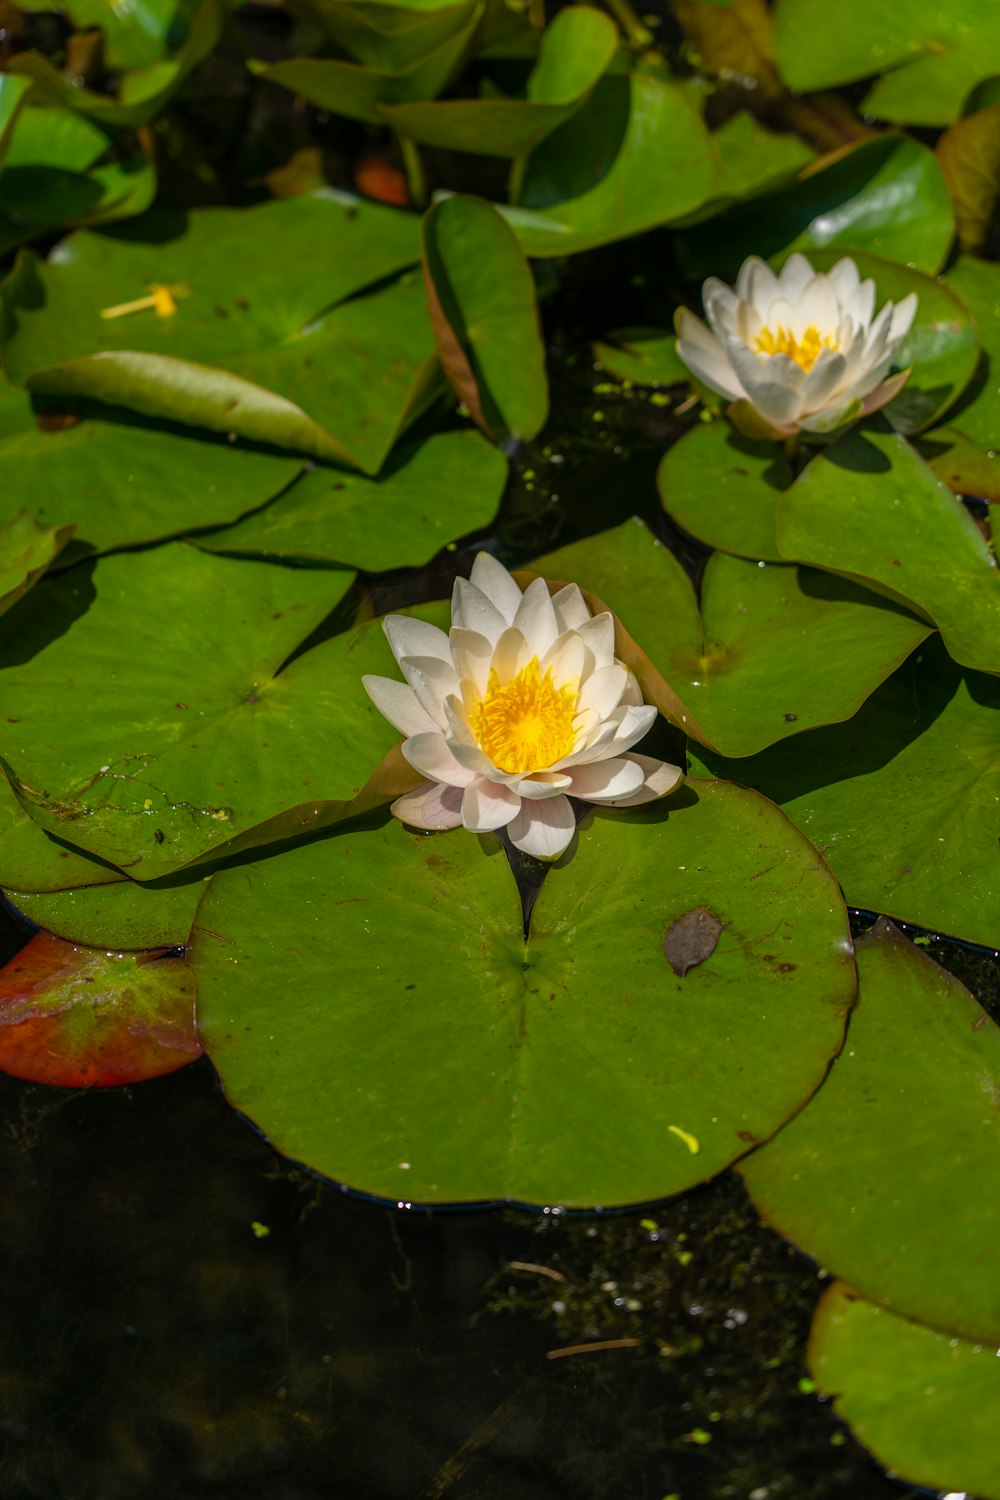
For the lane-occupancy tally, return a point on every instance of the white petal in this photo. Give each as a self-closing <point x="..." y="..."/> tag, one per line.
<point x="567" y="659"/>
<point x="631" y="725"/>
<point x="659" y="778"/>
<point x="536" y="619"/>
<point x="756" y="282"/>
<point x="817" y="307"/>
<point x="823" y="380"/>
<point x="492" y="579"/>
<point x="472" y="654"/>
<point x="487" y="805"/>
<point x="409" y="637"/>
<point x="471" y="610"/>
<point x="432" y="681"/>
<point x="794" y="277"/>
<point x="510" y="654"/>
<point x="570" y="607"/>
<point x="606" y="780"/>
<point x="845" y="280"/>
<point x="433" y="807"/>
<point x="720" y="303"/>
<point x="397" y="702"/>
<point x="705" y="356"/>
<point x="542" y="784"/>
<point x="543" y="829"/>
<point x="598" y="635"/>
<point x="773" y="384"/>
<point x="603" y="691"/>
<point x="431" y="756"/>
<point x="902" y="318"/>
<point x="860" y="305"/>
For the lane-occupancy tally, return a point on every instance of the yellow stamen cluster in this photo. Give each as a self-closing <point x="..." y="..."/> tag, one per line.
<point x="805" y="351"/>
<point x="526" y="724"/>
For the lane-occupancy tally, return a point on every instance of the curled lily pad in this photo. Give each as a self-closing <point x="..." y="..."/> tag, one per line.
<point x="902" y="799"/>
<point x="26" y="550"/>
<point x="82" y="1017"/>
<point x="423" y="1051"/>
<point x="423" y="499"/>
<point x="870" y="507"/>
<point x="485" y="317"/>
<point x="120" y="915"/>
<point x="920" y="1072"/>
<point x="925" y="1403"/>
<point x="969" y="154"/>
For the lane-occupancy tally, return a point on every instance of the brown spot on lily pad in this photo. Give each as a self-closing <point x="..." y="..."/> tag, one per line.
<point x="76" y="1017"/>
<point x="691" y="939"/>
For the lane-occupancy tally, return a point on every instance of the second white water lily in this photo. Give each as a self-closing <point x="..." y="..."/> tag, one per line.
<point x="800" y="351"/>
<point x="521" y="706"/>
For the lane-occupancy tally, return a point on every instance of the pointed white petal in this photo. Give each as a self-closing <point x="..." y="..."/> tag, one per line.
<point x="431" y="756"/>
<point x="605" y="780"/>
<point x="598" y="636"/>
<point x="543" y="829"/>
<point x="902" y="318"/>
<point x="826" y="375"/>
<point x="472" y="654"/>
<point x="632" y="724"/>
<point x="603" y="690"/>
<point x="486" y="805"/>
<point x="570" y="607"/>
<point x="845" y="280"/>
<point x="471" y="610"/>
<point x="659" y="778"/>
<point x="794" y="277"/>
<point x="566" y="657"/>
<point x="432" y="680"/>
<point x="433" y="807"/>
<point x="492" y="579"/>
<point x="536" y="619"/>
<point x="409" y="637"/>
<point x="510" y="654"/>
<point x="397" y="702"/>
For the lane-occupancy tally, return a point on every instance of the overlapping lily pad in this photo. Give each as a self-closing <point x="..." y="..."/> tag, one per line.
<point x="573" y="1068"/>
<point x="484" y="312"/>
<point x="870" y="507"/>
<point x="885" y="196"/>
<point x="122" y="481"/>
<point x="926" y="1404"/>
<point x="81" y="1017"/>
<point x="26" y="550"/>
<point x="603" y="175"/>
<point x="248" y="349"/>
<point x="122" y="915"/>
<point x="773" y="651"/>
<point x="574" y="52"/>
<point x="387" y="35"/>
<point x="191" y="741"/>
<point x="33" y="860"/>
<point x="919" y="1076"/>
<point x="977" y="416"/>
<point x="425" y="498"/>
<point x="645" y="356"/>
<point x="903" y="798"/>
<point x="724" y="489"/>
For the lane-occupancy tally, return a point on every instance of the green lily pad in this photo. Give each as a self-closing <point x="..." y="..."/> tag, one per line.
<point x="143" y="91"/>
<point x="575" y="50"/>
<point x="926" y="1405"/>
<point x="122" y="915"/>
<point x="884" y="195"/>
<point x="12" y="95"/>
<point x="902" y="799"/>
<point x="754" y="160"/>
<point x="26" y="550"/>
<point x="79" y="1017"/>
<point x="348" y="88"/>
<point x="122" y="481"/>
<point x="960" y="463"/>
<point x="977" y="416"/>
<point x="931" y="55"/>
<point x="918" y="1079"/>
<point x="645" y="356"/>
<point x="774" y="651"/>
<point x="387" y="36"/>
<point x="636" y="155"/>
<point x="33" y="860"/>
<point x="969" y="156"/>
<point x="153" y="726"/>
<point x="136" y="36"/>
<point x="870" y="507"/>
<point x="724" y="488"/>
<point x="421" y="1050"/>
<point x="484" y="312"/>
<point x="425" y="498"/>
<point x="277" y="359"/>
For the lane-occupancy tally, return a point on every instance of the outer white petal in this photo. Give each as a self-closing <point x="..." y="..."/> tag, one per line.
<point x="902" y="318"/>
<point x="773" y="383"/>
<point x="603" y="691"/>
<point x="845" y="280"/>
<point x="756" y="282"/>
<point x="720" y="303"/>
<point x="606" y="780"/>
<point x="541" y="784"/>
<point x="432" y="807"/>
<point x="397" y="702"/>
<point x="431" y="756"/>
<point x="705" y="356"/>
<point x="825" y="377"/>
<point x="486" y="805"/>
<point x="543" y="829"/>
<point x="536" y="618"/>
<point x="432" y="680"/>
<point x="570" y="607"/>
<point x="794" y="277"/>
<point x="659" y="778"/>
<point x="492" y="579"/>
<point x="409" y="637"/>
<point x="630" y="726"/>
<point x="471" y="610"/>
<point x="598" y="636"/>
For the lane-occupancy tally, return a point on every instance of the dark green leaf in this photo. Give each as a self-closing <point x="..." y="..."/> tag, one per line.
<point x="646" y="356"/>
<point x="26" y="550"/>
<point x="969" y="155"/>
<point x="121" y="915"/>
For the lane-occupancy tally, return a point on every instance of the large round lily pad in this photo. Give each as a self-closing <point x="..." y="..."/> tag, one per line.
<point x="927" y="1405"/>
<point x="883" y="1178"/>
<point x="371" y="1004"/>
<point x="724" y="489"/>
<point x="903" y="798"/>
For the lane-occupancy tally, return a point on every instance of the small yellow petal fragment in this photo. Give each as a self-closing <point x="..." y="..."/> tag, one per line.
<point x="691" y="1141"/>
<point x="161" y="300"/>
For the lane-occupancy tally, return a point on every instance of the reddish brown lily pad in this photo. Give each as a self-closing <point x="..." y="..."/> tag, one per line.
<point x="82" y="1017"/>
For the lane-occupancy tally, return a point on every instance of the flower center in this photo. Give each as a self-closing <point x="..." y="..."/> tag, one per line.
<point x="526" y="724"/>
<point x="805" y="351"/>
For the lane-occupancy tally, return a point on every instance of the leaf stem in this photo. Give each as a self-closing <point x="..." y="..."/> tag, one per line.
<point x="416" y="182"/>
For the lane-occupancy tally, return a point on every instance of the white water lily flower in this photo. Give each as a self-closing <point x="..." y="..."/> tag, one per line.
<point x="520" y="707"/>
<point x="802" y="348"/>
